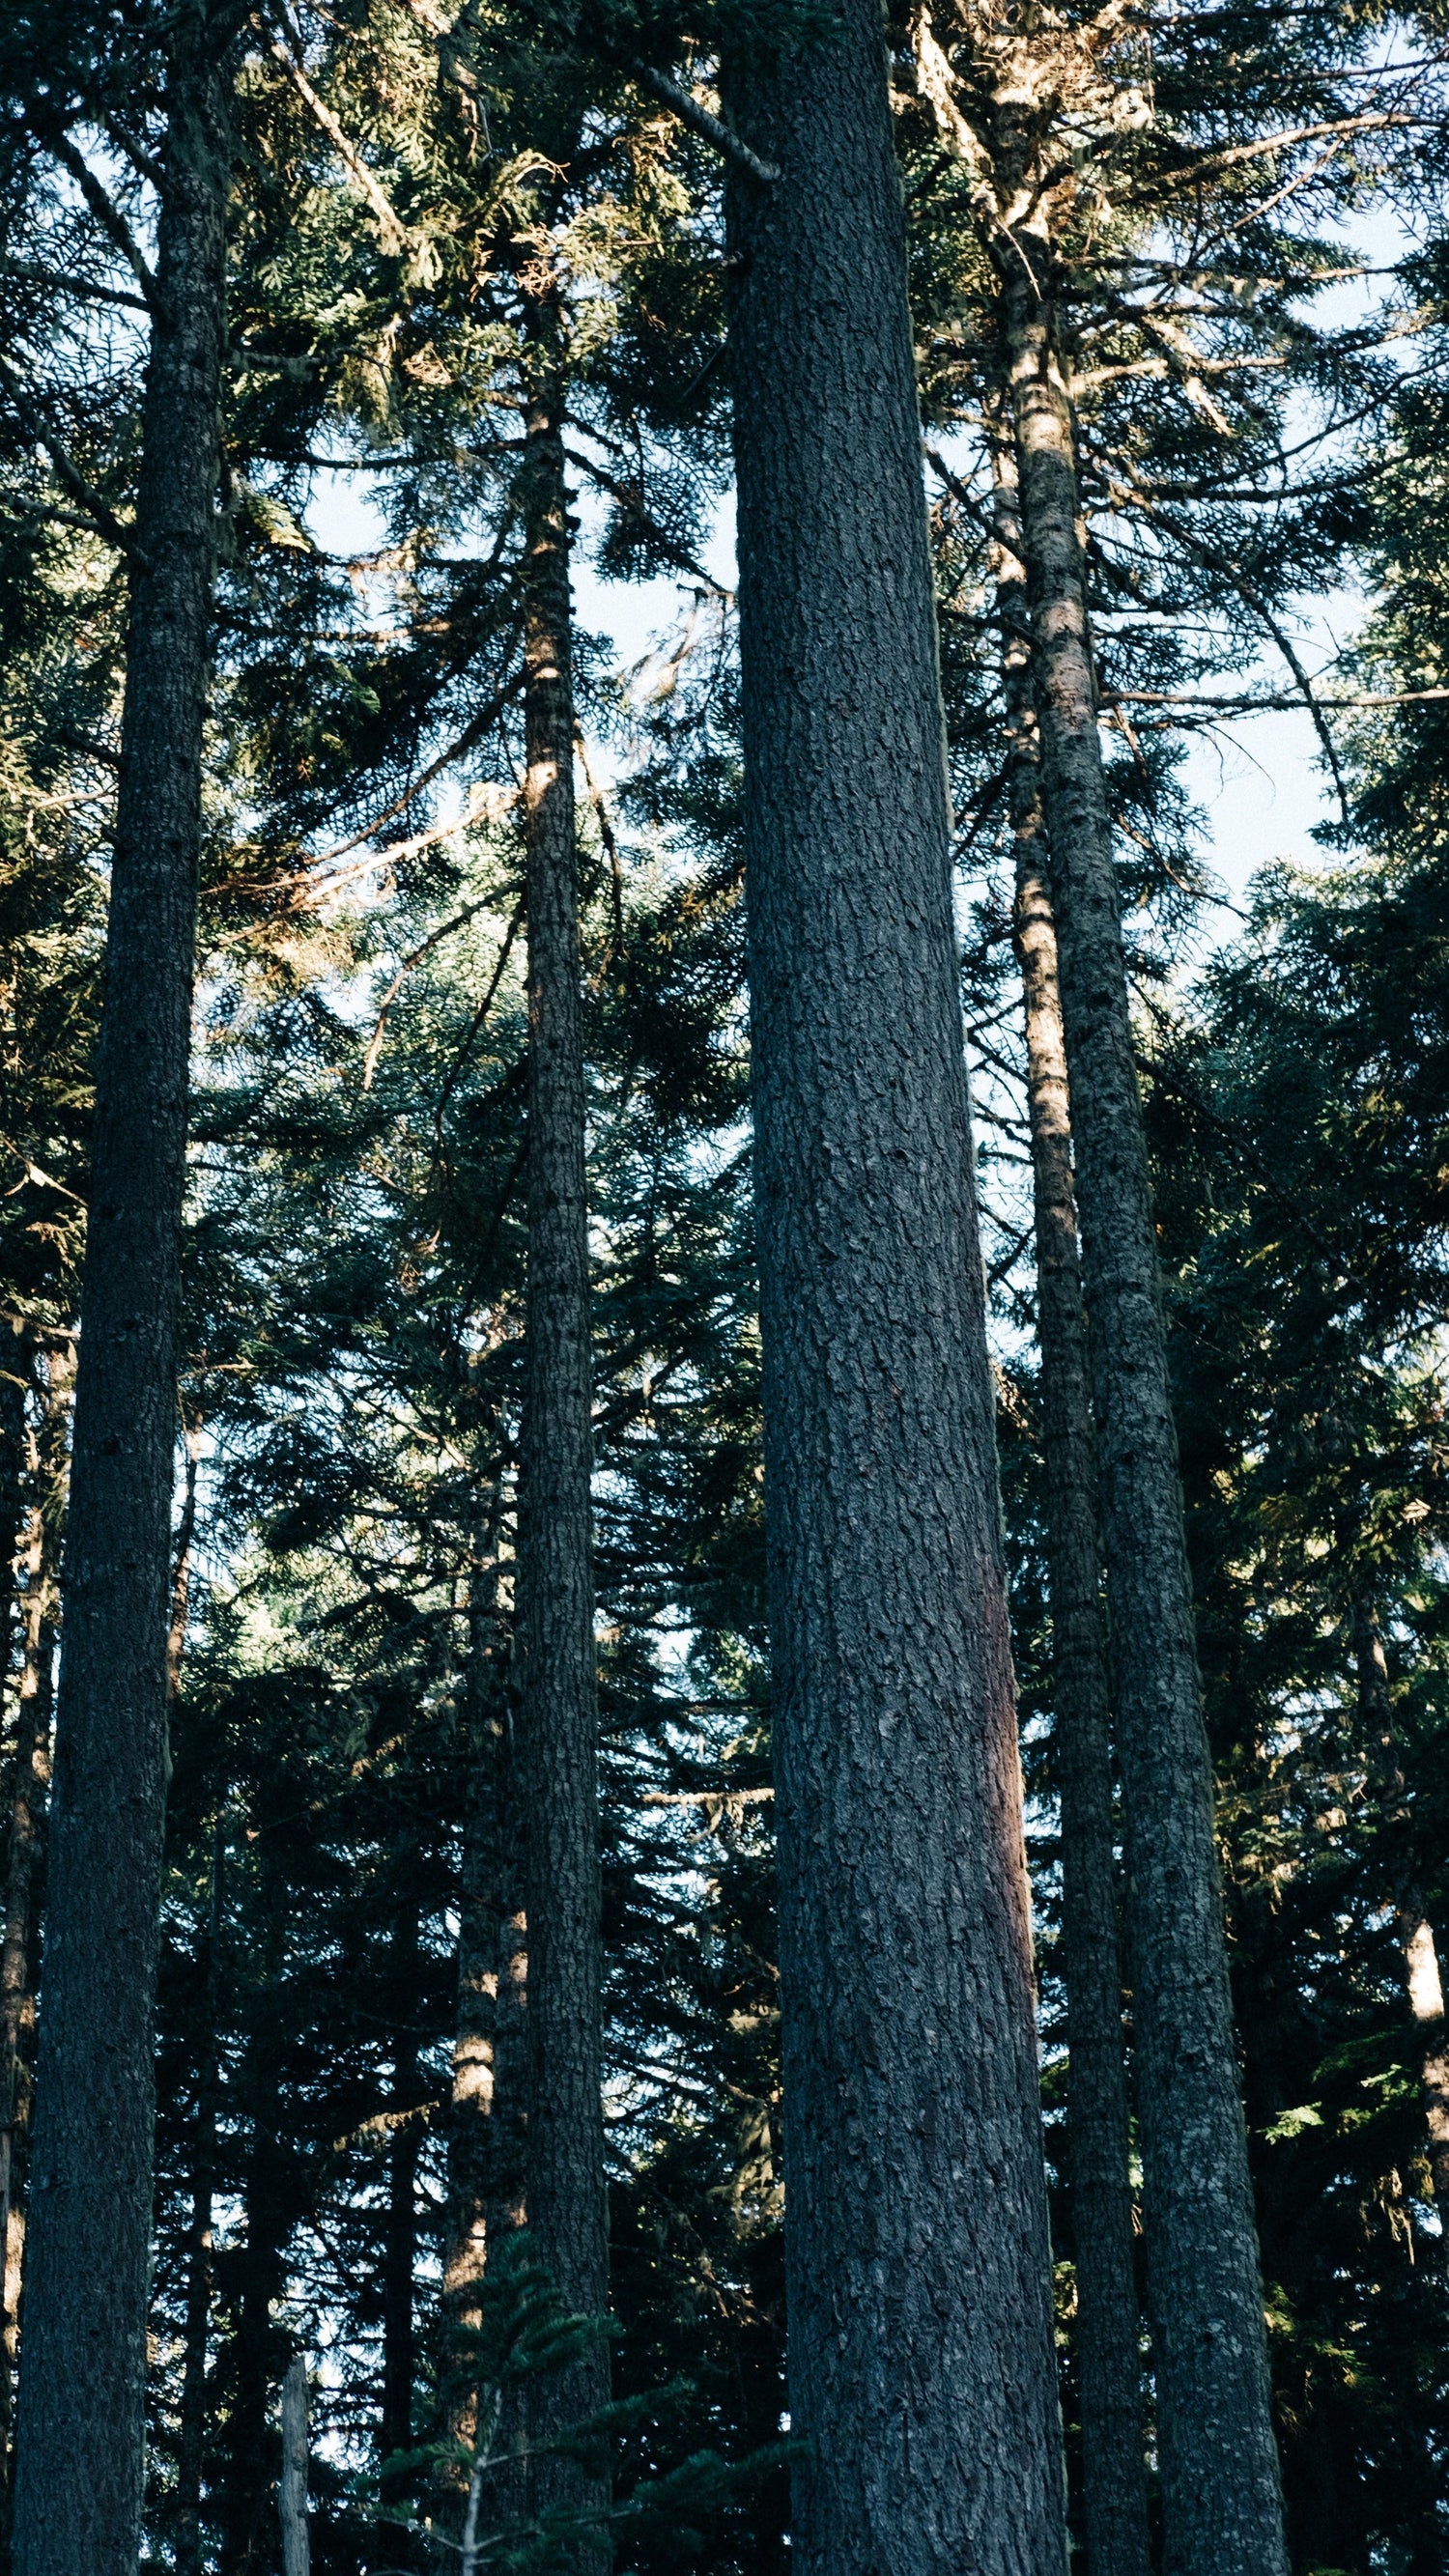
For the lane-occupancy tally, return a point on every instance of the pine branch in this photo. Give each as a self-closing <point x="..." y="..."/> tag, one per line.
<point x="107" y="214"/>
<point x="97" y="515"/>
<point x="392" y="233"/>
<point x="709" y="128"/>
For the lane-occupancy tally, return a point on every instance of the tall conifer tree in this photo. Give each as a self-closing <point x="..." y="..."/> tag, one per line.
<point x="921" y="2369"/>
<point x="81" y="2421"/>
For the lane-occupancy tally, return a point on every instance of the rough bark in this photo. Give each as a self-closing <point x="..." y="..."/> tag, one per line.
<point x="920" y="2357"/>
<point x="1222" y="2503"/>
<point x="1422" y="1981"/>
<point x="1109" y="2361"/>
<point x="200" y="2249"/>
<point x="557" y="1716"/>
<point x="82" y="2403"/>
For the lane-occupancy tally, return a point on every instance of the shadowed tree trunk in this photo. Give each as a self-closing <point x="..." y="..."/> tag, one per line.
<point x="191" y="2448"/>
<point x="1222" y="2502"/>
<point x="1109" y="2360"/>
<point x="921" y="2365"/>
<point x="29" y="1793"/>
<point x="558" y="1754"/>
<point x="15" y="1378"/>
<point x="82" y="2403"/>
<point x="400" y="2236"/>
<point x="486" y="2135"/>
<point x="1422" y="1980"/>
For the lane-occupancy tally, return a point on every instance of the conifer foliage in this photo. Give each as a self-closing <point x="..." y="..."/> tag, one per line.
<point x="724" y="1756"/>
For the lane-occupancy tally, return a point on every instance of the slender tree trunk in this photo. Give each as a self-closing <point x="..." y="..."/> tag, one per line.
<point x="1109" y="2358"/>
<point x="400" y="2235"/>
<point x="558" y="1709"/>
<point x="82" y="2406"/>
<point x="921" y="2364"/>
<point x="1222" y="2501"/>
<point x="200" y="2249"/>
<point x="181" y="1564"/>
<point x="1422" y="1979"/>
<point x="29" y="1792"/>
<point x="292" y="2486"/>
<point x="486" y="2134"/>
<point x="259" y="2343"/>
<point x="15" y="1378"/>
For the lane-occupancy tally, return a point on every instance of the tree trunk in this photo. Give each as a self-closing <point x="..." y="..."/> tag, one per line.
<point x="400" y="2229"/>
<point x="15" y="1378"/>
<point x="486" y="2135"/>
<point x="1222" y="2501"/>
<point x="558" y="1722"/>
<point x="29" y="1793"/>
<point x="1422" y="1980"/>
<point x="257" y="2279"/>
<point x="921" y="2365"/>
<point x="1109" y="2360"/>
<point x="292" y="2485"/>
<point x="82" y="2406"/>
<point x="191" y="2452"/>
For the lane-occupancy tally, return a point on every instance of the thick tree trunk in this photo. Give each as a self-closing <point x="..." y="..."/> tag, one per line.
<point x="1109" y="2360"/>
<point x="558" y="1753"/>
<point x="921" y="2365"/>
<point x="28" y="1798"/>
<point x="191" y="2453"/>
<point x="1222" y="2502"/>
<point x="1422" y="1981"/>
<point x="82" y="2403"/>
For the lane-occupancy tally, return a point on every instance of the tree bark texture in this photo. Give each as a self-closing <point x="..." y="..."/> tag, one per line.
<point x="920" y="2356"/>
<point x="558" y="1716"/>
<point x="1422" y="1981"/>
<point x="82" y="2402"/>
<point x="1222" y="2502"/>
<point x="1109" y="2359"/>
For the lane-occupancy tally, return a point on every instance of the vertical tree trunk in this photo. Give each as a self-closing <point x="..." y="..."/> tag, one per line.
<point x="400" y="2237"/>
<point x="82" y="2405"/>
<point x="258" y="2280"/>
<point x="1108" y="2325"/>
<point x="558" y="1710"/>
<point x="292" y="2486"/>
<point x="200" y="2249"/>
<point x="921" y="2365"/>
<point x="14" y="1381"/>
<point x="486" y="2136"/>
<point x="1422" y="1980"/>
<point x="29" y="1793"/>
<point x="1222" y="2502"/>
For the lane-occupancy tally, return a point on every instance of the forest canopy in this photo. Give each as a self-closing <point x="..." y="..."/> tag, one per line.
<point x="724" y="1761"/>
